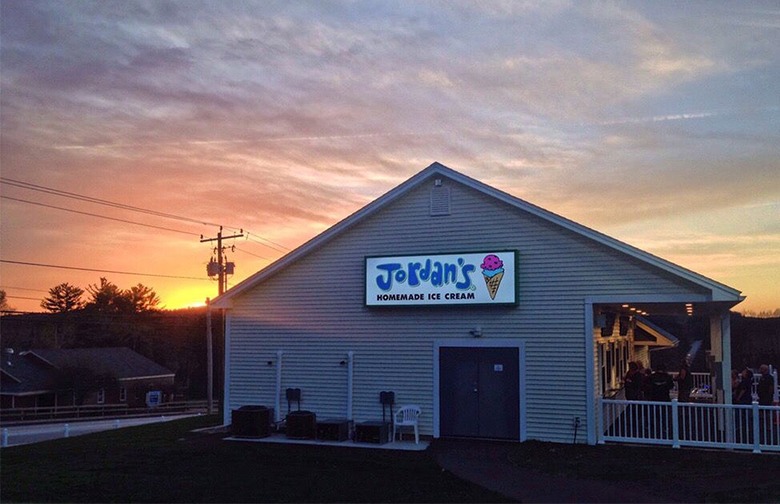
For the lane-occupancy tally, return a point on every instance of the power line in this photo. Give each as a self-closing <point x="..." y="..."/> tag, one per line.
<point x="273" y="245"/>
<point x="22" y="297"/>
<point x="98" y="201"/>
<point x="66" y="194"/>
<point x="23" y="263"/>
<point x="250" y="253"/>
<point x="100" y="216"/>
<point x="21" y="288"/>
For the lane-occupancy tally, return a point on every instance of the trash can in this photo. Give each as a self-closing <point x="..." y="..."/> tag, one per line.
<point x="251" y="421"/>
<point x="301" y="425"/>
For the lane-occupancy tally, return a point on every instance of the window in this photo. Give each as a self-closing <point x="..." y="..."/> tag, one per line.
<point x="101" y="396"/>
<point x="122" y="394"/>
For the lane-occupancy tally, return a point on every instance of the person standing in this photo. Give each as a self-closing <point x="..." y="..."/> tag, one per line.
<point x="766" y="386"/>
<point x="766" y="395"/>
<point x="684" y="381"/>
<point x="660" y="386"/>
<point x="744" y="391"/>
<point x="744" y="396"/>
<point x="633" y="382"/>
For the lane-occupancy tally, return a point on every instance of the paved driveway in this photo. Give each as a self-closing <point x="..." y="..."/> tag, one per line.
<point x="487" y="463"/>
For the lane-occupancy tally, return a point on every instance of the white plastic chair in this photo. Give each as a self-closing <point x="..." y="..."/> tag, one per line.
<point x="406" y="416"/>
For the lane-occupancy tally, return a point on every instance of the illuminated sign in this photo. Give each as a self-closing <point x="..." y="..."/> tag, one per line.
<point x="442" y="279"/>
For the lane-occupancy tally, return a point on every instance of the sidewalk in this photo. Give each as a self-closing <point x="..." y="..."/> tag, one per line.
<point x="35" y="433"/>
<point x="487" y="464"/>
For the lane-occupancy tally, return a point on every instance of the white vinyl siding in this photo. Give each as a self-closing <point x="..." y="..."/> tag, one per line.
<point x="314" y="311"/>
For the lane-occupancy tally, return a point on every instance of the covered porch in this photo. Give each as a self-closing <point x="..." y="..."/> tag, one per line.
<point x="624" y="331"/>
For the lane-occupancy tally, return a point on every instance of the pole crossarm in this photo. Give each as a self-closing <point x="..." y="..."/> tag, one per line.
<point x="221" y="256"/>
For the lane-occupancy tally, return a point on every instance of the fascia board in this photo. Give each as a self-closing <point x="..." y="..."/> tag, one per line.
<point x="17" y="380"/>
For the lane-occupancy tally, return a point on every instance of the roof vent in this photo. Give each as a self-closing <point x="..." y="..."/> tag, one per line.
<point x="440" y="199"/>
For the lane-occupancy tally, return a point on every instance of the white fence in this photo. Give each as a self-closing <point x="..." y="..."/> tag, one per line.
<point x="705" y="381"/>
<point x="677" y="424"/>
<point x="44" y="414"/>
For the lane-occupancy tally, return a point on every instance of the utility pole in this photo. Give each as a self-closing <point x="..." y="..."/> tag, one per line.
<point x="209" y="360"/>
<point x="222" y="271"/>
<point x="221" y="263"/>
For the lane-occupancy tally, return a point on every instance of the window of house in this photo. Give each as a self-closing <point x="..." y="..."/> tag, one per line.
<point x="101" y="396"/>
<point x="122" y="394"/>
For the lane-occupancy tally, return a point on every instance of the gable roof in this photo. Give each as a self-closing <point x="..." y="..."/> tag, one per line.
<point x="652" y="335"/>
<point x="719" y="292"/>
<point x="27" y="376"/>
<point x="36" y="371"/>
<point x="120" y="362"/>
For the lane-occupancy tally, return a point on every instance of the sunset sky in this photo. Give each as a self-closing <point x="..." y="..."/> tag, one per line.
<point x="657" y="123"/>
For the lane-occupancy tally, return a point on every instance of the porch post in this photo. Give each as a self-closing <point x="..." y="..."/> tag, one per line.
<point x="675" y="424"/>
<point x="720" y="343"/>
<point x="725" y="331"/>
<point x="592" y="415"/>
<point x="278" y="395"/>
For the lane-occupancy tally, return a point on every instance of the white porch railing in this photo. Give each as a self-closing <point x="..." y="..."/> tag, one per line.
<point x="677" y="424"/>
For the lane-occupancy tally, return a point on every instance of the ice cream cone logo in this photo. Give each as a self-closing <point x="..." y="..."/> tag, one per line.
<point x="493" y="271"/>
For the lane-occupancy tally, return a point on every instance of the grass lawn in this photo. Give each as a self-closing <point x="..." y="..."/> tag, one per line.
<point x="166" y="463"/>
<point x="694" y="475"/>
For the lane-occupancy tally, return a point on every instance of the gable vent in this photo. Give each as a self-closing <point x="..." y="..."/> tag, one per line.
<point x="440" y="199"/>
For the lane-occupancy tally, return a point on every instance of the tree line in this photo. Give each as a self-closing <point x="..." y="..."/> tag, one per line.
<point x="105" y="315"/>
<point x="106" y="297"/>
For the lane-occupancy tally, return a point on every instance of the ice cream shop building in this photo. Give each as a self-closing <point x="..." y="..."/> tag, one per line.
<point x="499" y="319"/>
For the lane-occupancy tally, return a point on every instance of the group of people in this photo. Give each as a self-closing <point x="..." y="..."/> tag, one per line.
<point x="642" y="383"/>
<point x="742" y="386"/>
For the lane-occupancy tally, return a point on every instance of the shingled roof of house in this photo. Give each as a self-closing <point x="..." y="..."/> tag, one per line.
<point x="120" y="362"/>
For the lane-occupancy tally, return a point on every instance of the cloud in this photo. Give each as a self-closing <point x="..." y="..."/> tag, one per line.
<point x="286" y="117"/>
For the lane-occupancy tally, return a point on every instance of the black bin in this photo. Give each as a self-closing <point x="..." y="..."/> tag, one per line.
<point x="251" y="421"/>
<point x="301" y="425"/>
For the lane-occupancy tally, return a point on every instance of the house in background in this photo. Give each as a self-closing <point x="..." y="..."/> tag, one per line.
<point x="67" y="377"/>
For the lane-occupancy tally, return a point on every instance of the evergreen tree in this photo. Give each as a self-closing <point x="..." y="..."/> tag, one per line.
<point x="63" y="298"/>
<point x="108" y="298"/>
<point x="143" y="298"/>
<point x="4" y="302"/>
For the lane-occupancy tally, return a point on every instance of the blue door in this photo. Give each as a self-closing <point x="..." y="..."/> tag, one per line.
<point x="479" y="392"/>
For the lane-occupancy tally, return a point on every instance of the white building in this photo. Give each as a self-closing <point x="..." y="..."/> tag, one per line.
<point x="396" y="297"/>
